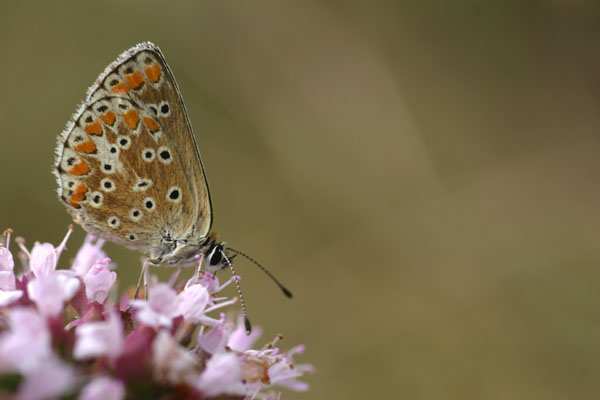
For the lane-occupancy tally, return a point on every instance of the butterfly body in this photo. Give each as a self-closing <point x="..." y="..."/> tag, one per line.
<point x="127" y="164"/>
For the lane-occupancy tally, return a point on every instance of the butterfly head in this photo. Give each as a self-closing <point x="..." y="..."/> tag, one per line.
<point x="183" y="252"/>
<point x="215" y="257"/>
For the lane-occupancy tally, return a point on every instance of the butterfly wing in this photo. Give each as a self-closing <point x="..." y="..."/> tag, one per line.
<point x="127" y="164"/>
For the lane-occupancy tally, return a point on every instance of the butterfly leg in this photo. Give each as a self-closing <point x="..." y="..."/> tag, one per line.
<point x="199" y="270"/>
<point x="175" y="277"/>
<point x="143" y="278"/>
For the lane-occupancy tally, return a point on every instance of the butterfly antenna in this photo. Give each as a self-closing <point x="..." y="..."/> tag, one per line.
<point x="247" y="324"/>
<point x="285" y="290"/>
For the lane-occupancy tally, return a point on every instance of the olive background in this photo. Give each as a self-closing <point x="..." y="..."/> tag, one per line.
<point x="423" y="175"/>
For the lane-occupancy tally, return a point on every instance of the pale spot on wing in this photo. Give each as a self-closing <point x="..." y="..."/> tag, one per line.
<point x="142" y="185"/>
<point x="148" y="154"/>
<point x="113" y="221"/>
<point x="164" y="155"/>
<point x="124" y="142"/>
<point x="107" y="185"/>
<point x="108" y="167"/>
<point x="174" y="194"/>
<point x="149" y="204"/>
<point x="96" y="199"/>
<point x="164" y="109"/>
<point x="135" y="214"/>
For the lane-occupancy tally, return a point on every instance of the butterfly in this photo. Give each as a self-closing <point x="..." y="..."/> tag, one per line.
<point x="128" y="168"/>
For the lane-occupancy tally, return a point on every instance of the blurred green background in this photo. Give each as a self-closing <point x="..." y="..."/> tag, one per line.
<point x="424" y="175"/>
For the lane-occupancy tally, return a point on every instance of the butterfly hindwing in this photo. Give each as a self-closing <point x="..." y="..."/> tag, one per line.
<point x="127" y="164"/>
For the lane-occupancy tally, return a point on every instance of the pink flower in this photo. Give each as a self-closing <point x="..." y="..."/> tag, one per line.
<point x="44" y="257"/>
<point x="51" y="288"/>
<point x="239" y="340"/>
<point x="171" y="362"/>
<point x="164" y="304"/>
<point x="9" y="296"/>
<point x="99" y="338"/>
<point x="8" y="293"/>
<point x="50" y="291"/>
<point x="160" y="309"/>
<point x="103" y="388"/>
<point x="6" y="260"/>
<point x="26" y="344"/>
<point x="89" y="254"/>
<point x="192" y="302"/>
<point x="98" y="280"/>
<point x="105" y="354"/>
<point x="226" y="334"/>
<point x="285" y="373"/>
<point x="49" y="380"/>
<point x="215" y="339"/>
<point x="210" y="281"/>
<point x="222" y="375"/>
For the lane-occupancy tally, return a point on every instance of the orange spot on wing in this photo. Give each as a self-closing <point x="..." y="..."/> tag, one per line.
<point x="135" y="80"/>
<point x="78" y="194"/>
<point x="151" y="124"/>
<point x="87" y="147"/>
<point x="74" y="204"/>
<point x="79" y="169"/>
<point x="109" y="118"/>
<point x="95" y="128"/>
<point x="131" y="119"/>
<point x="153" y="72"/>
<point x="120" y="88"/>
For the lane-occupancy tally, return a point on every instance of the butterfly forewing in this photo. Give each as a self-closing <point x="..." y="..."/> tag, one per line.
<point x="127" y="164"/>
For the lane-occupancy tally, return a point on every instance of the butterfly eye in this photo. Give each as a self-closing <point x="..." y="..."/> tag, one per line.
<point x="132" y="237"/>
<point x="216" y="255"/>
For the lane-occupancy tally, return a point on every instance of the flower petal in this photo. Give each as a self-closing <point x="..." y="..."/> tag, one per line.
<point x="223" y="371"/>
<point x="43" y="259"/>
<point x="9" y="296"/>
<point x="103" y="388"/>
<point x="98" y="281"/>
<point x="192" y="302"/>
<point x="100" y="338"/>
<point x="6" y="259"/>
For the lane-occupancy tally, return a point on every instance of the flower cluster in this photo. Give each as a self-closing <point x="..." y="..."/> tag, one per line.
<point x="64" y="333"/>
